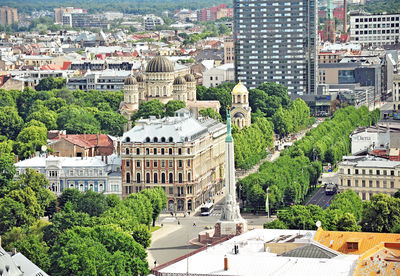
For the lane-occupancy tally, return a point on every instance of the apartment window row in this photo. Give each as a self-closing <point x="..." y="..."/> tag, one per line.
<point x="156" y="151"/>
<point x="377" y="19"/>
<point x="370" y="183"/>
<point x="162" y="163"/>
<point x="158" y="178"/>
<point x="372" y="172"/>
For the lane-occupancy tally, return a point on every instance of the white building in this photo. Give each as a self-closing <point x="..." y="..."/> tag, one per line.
<point x="215" y="76"/>
<point x="107" y="80"/>
<point x="151" y="21"/>
<point x="396" y="92"/>
<point x="364" y="139"/>
<point x="100" y="174"/>
<point x="265" y="252"/>
<point x="374" y="29"/>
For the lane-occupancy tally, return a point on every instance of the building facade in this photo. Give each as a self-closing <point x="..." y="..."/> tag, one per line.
<point x="374" y="29"/>
<point x="229" y="50"/>
<point x="396" y="92"/>
<point x="182" y="155"/>
<point x="151" y="22"/>
<point x="275" y="41"/>
<point x="107" y="80"/>
<point x="100" y="174"/>
<point x="218" y="75"/>
<point x="8" y="16"/>
<point x="368" y="175"/>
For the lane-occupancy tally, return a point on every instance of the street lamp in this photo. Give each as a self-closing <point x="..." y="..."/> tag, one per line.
<point x="267" y="203"/>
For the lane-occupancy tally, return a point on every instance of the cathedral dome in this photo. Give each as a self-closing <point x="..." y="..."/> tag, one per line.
<point x="160" y="64"/>
<point x="179" y="80"/>
<point x="130" y="80"/>
<point x="140" y="77"/>
<point x="190" y="78"/>
<point x="240" y="89"/>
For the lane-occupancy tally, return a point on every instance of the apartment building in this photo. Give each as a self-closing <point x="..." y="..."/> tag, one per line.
<point x="8" y="16"/>
<point x="368" y="175"/>
<point x="182" y="155"/>
<point x="374" y="29"/>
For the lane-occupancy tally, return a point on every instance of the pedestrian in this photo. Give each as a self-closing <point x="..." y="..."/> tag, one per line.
<point x="172" y="214"/>
<point x="179" y="222"/>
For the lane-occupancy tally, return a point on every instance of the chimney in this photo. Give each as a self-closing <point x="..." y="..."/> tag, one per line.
<point x="225" y="263"/>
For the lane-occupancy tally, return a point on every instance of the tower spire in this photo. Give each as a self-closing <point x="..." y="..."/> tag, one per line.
<point x="229" y="138"/>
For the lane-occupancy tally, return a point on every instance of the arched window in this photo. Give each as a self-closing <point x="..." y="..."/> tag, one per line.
<point x="147" y="151"/>
<point x="244" y="99"/>
<point x="158" y="91"/>
<point x="127" y="151"/>
<point x="162" y="177"/>
<point x="238" y="98"/>
<point x="170" y="139"/>
<point x="180" y="178"/>
<point x="163" y="139"/>
<point x="127" y="139"/>
<point x="162" y="151"/>
<point x="179" y="151"/>
<point x="171" y="178"/>
<point x="155" y="176"/>
<point x="165" y="91"/>
<point x="101" y="188"/>
<point x="189" y="177"/>
<point x="170" y="151"/>
<point x="128" y="178"/>
<point x="138" y="178"/>
<point x="91" y="187"/>
<point x="147" y="139"/>
<point x="147" y="178"/>
<point x="137" y="151"/>
<point x="155" y="139"/>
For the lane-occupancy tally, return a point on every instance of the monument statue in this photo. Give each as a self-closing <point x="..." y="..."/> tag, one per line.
<point x="231" y="222"/>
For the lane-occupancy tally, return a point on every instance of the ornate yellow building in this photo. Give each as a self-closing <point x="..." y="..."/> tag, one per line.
<point x="240" y="111"/>
<point x="159" y="81"/>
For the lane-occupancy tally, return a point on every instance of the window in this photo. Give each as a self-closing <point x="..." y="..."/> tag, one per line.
<point x="155" y="164"/>
<point x="162" y="177"/>
<point x="189" y="189"/>
<point x="147" y="178"/>
<point x="180" y="178"/>
<point x="138" y="164"/>
<point x="155" y="178"/>
<point x="147" y="151"/>
<point x="378" y="172"/>
<point x="348" y="182"/>
<point x="384" y="172"/>
<point x="356" y="171"/>
<point x="162" y="163"/>
<point x="189" y="178"/>
<point x="179" y="163"/>
<point x="128" y="178"/>
<point x="127" y="151"/>
<point x="171" y="178"/>
<point x="162" y="151"/>
<point x="352" y="245"/>
<point x="179" y="151"/>
<point x="147" y="164"/>
<point x="138" y="180"/>
<point x="370" y="171"/>
<point x="137" y="151"/>
<point x="363" y="171"/>
<point x="363" y="183"/>
<point x="377" y="184"/>
<point x="370" y="183"/>
<point x="356" y="183"/>
<point x="128" y="163"/>
<point x="392" y="173"/>
<point x="170" y="151"/>
<point x="171" y="190"/>
<point x="188" y="163"/>
<point x="348" y="171"/>
<point x="392" y="184"/>
<point x="170" y="164"/>
<point x="384" y="184"/>
<point x="188" y="151"/>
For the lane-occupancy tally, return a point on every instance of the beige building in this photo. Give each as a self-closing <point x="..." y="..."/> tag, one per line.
<point x="229" y="51"/>
<point x="240" y="111"/>
<point x="162" y="82"/>
<point x="8" y="16"/>
<point x="396" y="92"/>
<point x="368" y="175"/>
<point x="182" y="155"/>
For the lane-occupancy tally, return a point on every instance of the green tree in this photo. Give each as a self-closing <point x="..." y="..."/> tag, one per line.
<point x="50" y="83"/>
<point x="278" y="90"/>
<point x="76" y="120"/>
<point x="210" y="113"/>
<point x="150" y="108"/>
<point x="157" y="201"/>
<point x="10" y="122"/>
<point x="173" y="106"/>
<point x="111" y="122"/>
<point x="92" y="203"/>
<point x="13" y="214"/>
<point x="7" y="170"/>
<point x="47" y="117"/>
<point x="256" y="196"/>
<point x="142" y="235"/>
<point x="70" y="195"/>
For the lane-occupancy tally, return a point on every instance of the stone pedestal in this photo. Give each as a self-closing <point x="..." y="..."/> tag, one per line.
<point x="230" y="228"/>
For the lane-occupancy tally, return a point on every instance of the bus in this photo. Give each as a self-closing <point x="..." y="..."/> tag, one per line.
<point x="207" y="209"/>
<point x="330" y="188"/>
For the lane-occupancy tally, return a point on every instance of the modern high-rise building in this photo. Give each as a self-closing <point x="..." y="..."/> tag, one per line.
<point x="8" y="16"/>
<point x="275" y="41"/>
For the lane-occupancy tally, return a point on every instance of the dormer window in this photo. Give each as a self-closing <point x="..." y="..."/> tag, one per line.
<point x="147" y="139"/>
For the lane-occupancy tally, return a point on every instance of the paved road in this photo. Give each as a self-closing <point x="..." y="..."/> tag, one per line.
<point x="174" y="242"/>
<point x="320" y="199"/>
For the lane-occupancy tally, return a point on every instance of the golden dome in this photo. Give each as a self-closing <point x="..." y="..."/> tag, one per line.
<point x="240" y="89"/>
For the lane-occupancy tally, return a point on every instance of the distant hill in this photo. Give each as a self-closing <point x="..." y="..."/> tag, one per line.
<point x="125" y="6"/>
<point x="380" y="6"/>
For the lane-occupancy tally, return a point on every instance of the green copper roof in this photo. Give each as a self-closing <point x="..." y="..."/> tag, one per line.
<point x="229" y="127"/>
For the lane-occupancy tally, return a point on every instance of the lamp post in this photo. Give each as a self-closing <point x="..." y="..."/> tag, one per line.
<point x="267" y="204"/>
